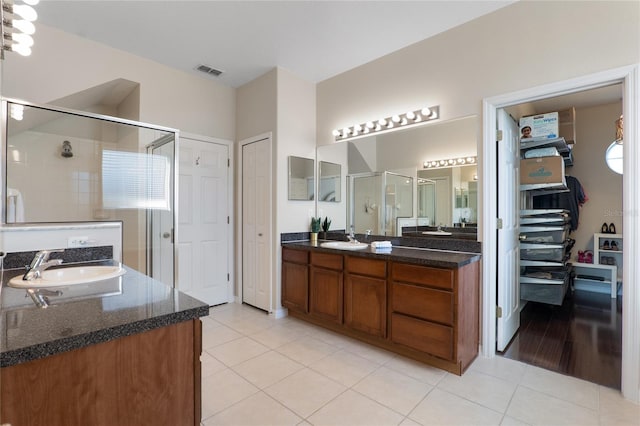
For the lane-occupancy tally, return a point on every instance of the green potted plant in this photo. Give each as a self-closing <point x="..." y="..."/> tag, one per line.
<point x="325" y="227"/>
<point x="315" y="228"/>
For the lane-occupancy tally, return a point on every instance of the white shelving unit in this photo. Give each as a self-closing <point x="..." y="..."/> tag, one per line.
<point x="604" y="275"/>
<point x="588" y="274"/>
<point x="599" y="253"/>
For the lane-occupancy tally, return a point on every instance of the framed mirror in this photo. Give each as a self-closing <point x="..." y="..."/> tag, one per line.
<point x="329" y="185"/>
<point x="301" y="178"/>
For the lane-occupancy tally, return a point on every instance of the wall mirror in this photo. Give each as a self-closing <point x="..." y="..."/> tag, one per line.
<point x="70" y="166"/>
<point x="301" y="182"/>
<point x="329" y="185"/>
<point x="393" y="163"/>
<point x="448" y="196"/>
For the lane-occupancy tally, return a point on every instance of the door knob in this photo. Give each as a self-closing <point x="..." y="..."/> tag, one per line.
<point x="260" y="234"/>
<point x="166" y="234"/>
<point x="522" y="237"/>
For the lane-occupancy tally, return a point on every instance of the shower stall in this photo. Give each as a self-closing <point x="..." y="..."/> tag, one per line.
<point x="377" y="200"/>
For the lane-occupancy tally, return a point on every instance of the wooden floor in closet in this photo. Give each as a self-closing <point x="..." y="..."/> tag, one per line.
<point x="582" y="338"/>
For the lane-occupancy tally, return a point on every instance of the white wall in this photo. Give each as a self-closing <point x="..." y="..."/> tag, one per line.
<point x="62" y="64"/>
<point x="42" y="237"/>
<point x="491" y="55"/>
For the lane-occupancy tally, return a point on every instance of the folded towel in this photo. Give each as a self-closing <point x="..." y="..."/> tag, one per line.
<point x="381" y="249"/>
<point x="378" y="244"/>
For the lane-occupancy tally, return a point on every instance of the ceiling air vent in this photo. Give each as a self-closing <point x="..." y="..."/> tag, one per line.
<point x="208" y="70"/>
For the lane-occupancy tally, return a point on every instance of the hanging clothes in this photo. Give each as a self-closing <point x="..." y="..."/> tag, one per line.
<point x="572" y="200"/>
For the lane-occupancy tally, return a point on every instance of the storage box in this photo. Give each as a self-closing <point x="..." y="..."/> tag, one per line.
<point x="542" y="125"/>
<point x="542" y="170"/>
<point x="567" y="125"/>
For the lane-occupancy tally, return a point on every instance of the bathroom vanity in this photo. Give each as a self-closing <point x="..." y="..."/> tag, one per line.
<point x="420" y="303"/>
<point x="127" y="354"/>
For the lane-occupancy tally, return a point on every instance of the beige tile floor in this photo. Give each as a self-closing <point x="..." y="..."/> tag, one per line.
<point x="257" y="370"/>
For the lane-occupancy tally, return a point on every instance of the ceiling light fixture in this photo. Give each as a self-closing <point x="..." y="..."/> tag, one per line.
<point x="16" y="33"/>
<point x="450" y="162"/>
<point x="387" y="124"/>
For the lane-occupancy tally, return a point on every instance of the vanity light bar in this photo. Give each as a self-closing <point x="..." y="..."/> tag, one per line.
<point x="384" y="125"/>
<point x="450" y="162"/>
<point x="16" y="26"/>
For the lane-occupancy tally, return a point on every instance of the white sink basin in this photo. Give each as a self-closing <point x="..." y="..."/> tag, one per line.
<point x="63" y="277"/>
<point x="344" y="245"/>
<point x="436" y="233"/>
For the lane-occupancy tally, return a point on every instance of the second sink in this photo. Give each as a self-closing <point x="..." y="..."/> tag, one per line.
<point x="344" y="245"/>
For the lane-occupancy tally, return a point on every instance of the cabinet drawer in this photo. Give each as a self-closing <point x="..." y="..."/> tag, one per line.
<point x="422" y="302"/>
<point x="415" y="274"/>
<point x="327" y="260"/>
<point x="364" y="266"/>
<point x="424" y="336"/>
<point x="295" y="256"/>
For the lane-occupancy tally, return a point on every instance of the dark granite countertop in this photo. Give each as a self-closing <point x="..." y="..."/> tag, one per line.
<point x="419" y="256"/>
<point x="86" y="315"/>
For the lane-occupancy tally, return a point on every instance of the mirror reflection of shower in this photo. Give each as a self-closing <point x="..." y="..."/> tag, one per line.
<point x="377" y="199"/>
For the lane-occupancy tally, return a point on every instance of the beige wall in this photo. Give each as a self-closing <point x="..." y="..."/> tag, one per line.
<point x="520" y="46"/>
<point x="63" y="64"/>
<point x="285" y="105"/>
<point x="595" y="130"/>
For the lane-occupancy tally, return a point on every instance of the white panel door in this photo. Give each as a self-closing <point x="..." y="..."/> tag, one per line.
<point x="203" y="228"/>
<point x="508" y="243"/>
<point x="256" y="224"/>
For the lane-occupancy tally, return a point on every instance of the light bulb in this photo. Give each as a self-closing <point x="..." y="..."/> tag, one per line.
<point x="395" y="118"/>
<point x="357" y="128"/>
<point x="23" y="39"/>
<point x="16" y="112"/>
<point x="366" y="130"/>
<point x="371" y="124"/>
<point x="390" y="124"/>
<point x="24" y="26"/>
<point x="426" y="112"/>
<point x="25" y="12"/>
<point x="345" y="132"/>
<point x="21" y="49"/>
<point x="452" y="161"/>
<point x="411" y="115"/>
<point x="382" y="122"/>
<point x="336" y="132"/>
<point x="31" y="2"/>
<point x="403" y="122"/>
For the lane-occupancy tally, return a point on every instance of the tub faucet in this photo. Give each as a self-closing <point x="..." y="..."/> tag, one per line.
<point x="39" y="263"/>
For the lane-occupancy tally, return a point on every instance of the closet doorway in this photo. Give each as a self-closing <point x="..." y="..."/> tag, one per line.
<point x="579" y="333"/>
<point x="628" y="76"/>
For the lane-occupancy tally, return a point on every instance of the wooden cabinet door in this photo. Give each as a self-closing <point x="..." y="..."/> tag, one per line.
<point x="365" y="304"/>
<point x="295" y="286"/>
<point x="325" y="294"/>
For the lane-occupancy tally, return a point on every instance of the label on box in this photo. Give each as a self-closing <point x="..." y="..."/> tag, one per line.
<point x="540" y="126"/>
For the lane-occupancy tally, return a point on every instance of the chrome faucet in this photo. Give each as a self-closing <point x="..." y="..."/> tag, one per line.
<point x="41" y="262"/>
<point x="352" y="236"/>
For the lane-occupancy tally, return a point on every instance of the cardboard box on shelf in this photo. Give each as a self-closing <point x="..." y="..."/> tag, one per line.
<point x="542" y="125"/>
<point x="542" y="170"/>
